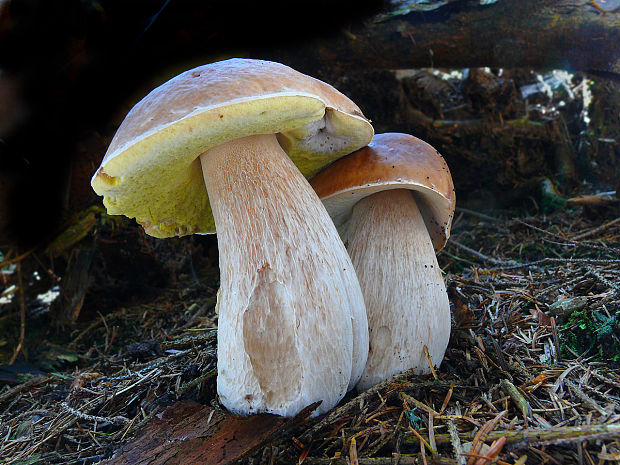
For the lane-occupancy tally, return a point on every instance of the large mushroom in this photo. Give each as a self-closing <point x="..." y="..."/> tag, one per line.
<point x="211" y="148"/>
<point x="393" y="202"/>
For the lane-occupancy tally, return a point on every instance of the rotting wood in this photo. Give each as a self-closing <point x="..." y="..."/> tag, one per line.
<point x="74" y="285"/>
<point x="567" y="34"/>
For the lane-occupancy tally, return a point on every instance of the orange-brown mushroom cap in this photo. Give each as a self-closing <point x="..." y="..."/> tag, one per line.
<point x="391" y="161"/>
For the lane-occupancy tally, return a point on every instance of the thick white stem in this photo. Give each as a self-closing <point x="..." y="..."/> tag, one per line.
<point x="403" y="288"/>
<point x="292" y="325"/>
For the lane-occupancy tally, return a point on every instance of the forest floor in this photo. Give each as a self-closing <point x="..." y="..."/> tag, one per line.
<point x="531" y="374"/>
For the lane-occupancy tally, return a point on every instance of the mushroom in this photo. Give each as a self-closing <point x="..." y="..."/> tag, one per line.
<point x="393" y="202"/>
<point x="211" y="148"/>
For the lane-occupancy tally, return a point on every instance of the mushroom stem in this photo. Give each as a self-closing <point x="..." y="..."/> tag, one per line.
<point x="292" y="325"/>
<point x="401" y="281"/>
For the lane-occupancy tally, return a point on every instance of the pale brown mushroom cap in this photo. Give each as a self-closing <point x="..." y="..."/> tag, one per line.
<point x="391" y="161"/>
<point x="151" y="170"/>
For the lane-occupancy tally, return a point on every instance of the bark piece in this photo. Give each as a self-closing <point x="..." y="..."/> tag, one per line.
<point x="188" y="433"/>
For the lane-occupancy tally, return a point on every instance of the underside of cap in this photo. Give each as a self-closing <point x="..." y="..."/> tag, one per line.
<point x="391" y="161"/>
<point x="151" y="170"/>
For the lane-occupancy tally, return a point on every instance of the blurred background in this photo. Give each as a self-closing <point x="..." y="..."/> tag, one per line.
<point x="70" y="70"/>
<point x="520" y="98"/>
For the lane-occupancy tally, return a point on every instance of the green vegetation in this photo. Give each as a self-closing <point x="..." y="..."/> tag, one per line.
<point x="586" y="330"/>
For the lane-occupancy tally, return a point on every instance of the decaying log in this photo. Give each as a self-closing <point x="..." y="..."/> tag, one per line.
<point x="74" y="285"/>
<point x="535" y="34"/>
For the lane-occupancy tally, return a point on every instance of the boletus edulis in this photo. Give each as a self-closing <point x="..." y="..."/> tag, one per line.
<point x="393" y="203"/>
<point x="228" y="146"/>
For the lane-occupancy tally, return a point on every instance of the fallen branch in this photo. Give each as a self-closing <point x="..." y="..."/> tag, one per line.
<point x="565" y="34"/>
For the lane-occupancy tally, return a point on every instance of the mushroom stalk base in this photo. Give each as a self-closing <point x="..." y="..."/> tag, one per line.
<point x="292" y="328"/>
<point x="405" y="295"/>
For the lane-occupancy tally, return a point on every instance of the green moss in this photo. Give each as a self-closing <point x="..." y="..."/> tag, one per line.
<point x="591" y="331"/>
<point x="550" y="198"/>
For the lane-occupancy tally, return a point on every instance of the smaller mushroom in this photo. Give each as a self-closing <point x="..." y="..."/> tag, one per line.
<point x="393" y="203"/>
